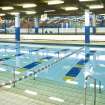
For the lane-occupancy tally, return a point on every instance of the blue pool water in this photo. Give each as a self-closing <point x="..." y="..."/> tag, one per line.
<point x="24" y="58"/>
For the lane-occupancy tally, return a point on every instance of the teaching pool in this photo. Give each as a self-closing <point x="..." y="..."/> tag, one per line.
<point x="70" y="63"/>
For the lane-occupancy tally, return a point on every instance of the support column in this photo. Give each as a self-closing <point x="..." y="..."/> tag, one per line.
<point x="17" y="27"/>
<point x="87" y="27"/>
<point x="94" y="24"/>
<point x="66" y="25"/>
<point x="5" y="26"/>
<point x="36" y="22"/>
<point x="62" y="27"/>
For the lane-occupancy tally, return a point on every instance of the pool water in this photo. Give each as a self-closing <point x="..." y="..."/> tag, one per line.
<point x="24" y="58"/>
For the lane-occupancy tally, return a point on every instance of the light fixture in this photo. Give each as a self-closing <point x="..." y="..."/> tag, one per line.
<point x="30" y="12"/>
<point x="102" y="14"/>
<point x="96" y="6"/>
<point x="28" y="5"/>
<point x="7" y="8"/>
<point x="49" y="11"/>
<point x="14" y="13"/>
<point x="2" y="14"/>
<point x="70" y="8"/>
<point x="54" y="2"/>
<point x="86" y="0"/>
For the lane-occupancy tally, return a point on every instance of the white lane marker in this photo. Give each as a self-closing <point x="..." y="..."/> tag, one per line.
<point x="17" y="72"/>
<point x="8" y="86"/>
<point x="31" y="92"/>
<point x="56" y="99"/>
<point x="97" y="86"/>
<point x="3" y="83"/>
<point x="2" y="69"/>
<point x="102" y="65"/>
<point x="72" y="82"/>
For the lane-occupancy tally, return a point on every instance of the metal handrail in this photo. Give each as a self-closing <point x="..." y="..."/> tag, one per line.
<point x="85" y="88"/>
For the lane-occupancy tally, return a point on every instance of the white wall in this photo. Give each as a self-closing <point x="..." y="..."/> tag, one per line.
<point x="101" y="30"/>
<point x="53" y="37"/>
<point x="55" y="30"/>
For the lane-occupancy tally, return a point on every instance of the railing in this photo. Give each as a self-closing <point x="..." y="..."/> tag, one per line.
<point x="85" y="89"/>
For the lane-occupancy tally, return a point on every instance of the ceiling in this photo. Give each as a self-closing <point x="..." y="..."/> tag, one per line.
<point x="43" y="6"/>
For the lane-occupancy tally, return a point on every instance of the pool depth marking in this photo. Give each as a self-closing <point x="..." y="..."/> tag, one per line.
<point x="73" y="72"/>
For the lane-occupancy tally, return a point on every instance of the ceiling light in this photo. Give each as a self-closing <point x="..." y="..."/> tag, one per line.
<point x="28" y="5"/>
<point x="101" y="14"/>
<point x="2" y="14"/>
<point x="30" y="12"/>
<point x="86" y="0"/>
<point x="49" y="11"/>
<point x="14" y="13"/>
<point x="70" y="8"/>
<point x="7" y="8"/>
<point x="96" y="6"/>
<point x="54" y="2"/>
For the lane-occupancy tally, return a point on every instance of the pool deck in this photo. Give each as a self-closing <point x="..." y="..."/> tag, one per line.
<point x="56" y="42"/>
<point x="47" y="92"/>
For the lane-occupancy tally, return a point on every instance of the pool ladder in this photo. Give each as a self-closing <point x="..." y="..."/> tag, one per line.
<point x="85" y="88"/>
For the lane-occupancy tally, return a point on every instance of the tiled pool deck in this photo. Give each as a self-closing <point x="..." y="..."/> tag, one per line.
<point x="46" y="92"/>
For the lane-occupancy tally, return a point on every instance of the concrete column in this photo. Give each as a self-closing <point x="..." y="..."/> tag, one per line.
<point x="62" y="27"/>
<point x="17" y="27"/>
<point x="94" y="24"/>
<point x="5" y="26"/>
<point x="66" y="25"/>
<point x="87" y="26"/>
<point x="36" y="22"/>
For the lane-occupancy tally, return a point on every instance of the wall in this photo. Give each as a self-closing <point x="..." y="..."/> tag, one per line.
<point x="52" y="37"/>
<point x="55" y="30"/>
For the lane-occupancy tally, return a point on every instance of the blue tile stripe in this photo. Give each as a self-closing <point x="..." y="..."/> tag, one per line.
<point x="31" y="65"/>
<point x="17" y="32"/>
<point x="17" y="55"/>
<point x="36" y="30"/>
<point x="7" y="58"/>
<point x="47" y="58"/>
<point x="62" y="50"/>
<point x="76" y="70"/>
<point x="73" y="72"/>
<point x="87" y="34"/>
<point x="37" y="49"/>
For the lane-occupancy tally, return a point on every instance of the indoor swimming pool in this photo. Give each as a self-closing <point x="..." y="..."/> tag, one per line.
<point x="63" y="64"/>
